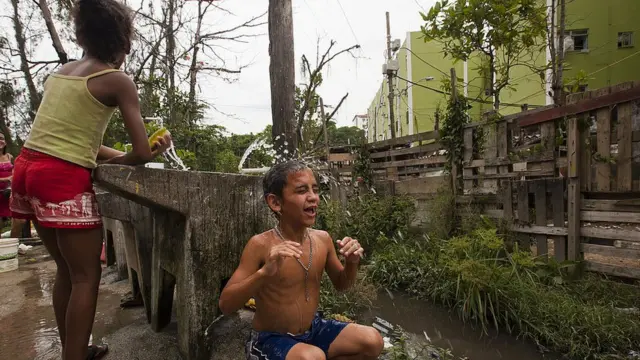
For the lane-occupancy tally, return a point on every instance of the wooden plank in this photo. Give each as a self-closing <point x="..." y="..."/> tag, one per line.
<point x="404" y="140"/>
<point x="421" y="185"/>
<point x="573" y="189"/>
<point x="507" y="200"/>
<point x="624" y="159"/>
<point x="494" y="213"/>
<point x="523" y="213"/>
<point x="429" y="148"/>
<point x="513" y="175"/>
<point x="609" y="205"/>
<point x="626" y="272"/>
<point x="611" y="234"/>
<point x="410" y="162"/>
<point x="556" y="188"/>
<point x="603" y="167"/>
<point x="540" y="191"/>
<point x="611" y="216"/>
<point x="502" y="145"/>
<point x="540" y="230"/>
<point x="579" y="107"/>
<point x="341" y="157"/>
<point x="611" y="251"/>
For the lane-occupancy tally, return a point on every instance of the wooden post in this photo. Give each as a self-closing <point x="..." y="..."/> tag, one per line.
<point x="540" y="190"/>
<point x="282" y="72"/>
<point x="574" y="148"/>
<point x="455" y="166"/>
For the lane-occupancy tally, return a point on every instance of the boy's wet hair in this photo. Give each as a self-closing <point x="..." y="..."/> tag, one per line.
<point x="104" y="28"/>
<point x="275" y="179"/>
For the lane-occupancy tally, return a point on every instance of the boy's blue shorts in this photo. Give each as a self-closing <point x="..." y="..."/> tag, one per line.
<point x="266" y="345"/>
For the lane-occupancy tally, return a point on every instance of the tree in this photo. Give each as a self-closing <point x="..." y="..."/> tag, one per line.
<point x="556" y="48"/>
<point x="506" y="33"/>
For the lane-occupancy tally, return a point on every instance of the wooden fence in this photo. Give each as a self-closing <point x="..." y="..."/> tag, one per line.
<point x="568" y="177"/>
<point x="576" y="168"/>
<point x="419" y="155"/>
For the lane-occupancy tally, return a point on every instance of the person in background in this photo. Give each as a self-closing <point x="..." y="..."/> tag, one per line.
<point x="6" y="172"/>
<point x="52" y="180"/>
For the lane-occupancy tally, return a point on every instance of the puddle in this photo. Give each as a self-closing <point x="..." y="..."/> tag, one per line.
<point x="447" y="331"/>
<point x="30" y="332"/>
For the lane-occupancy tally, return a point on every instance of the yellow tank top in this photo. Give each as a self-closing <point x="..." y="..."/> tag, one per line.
<point x="70" y="122"/>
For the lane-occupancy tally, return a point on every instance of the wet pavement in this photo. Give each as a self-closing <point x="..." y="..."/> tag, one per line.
<point x="28" y="329"/>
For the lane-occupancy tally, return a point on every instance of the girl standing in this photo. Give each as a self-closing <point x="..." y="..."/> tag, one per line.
<point x="52" y="177"/>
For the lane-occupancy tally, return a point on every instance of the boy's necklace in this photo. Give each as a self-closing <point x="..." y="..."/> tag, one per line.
<point x="306" y="268"/>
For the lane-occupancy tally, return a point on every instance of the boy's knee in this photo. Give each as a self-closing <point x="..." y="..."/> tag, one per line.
<point x="372" y="341"/>
<point x="306" y="353"/>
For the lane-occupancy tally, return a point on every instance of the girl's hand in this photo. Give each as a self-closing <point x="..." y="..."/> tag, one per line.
<point x="161" y="145"/>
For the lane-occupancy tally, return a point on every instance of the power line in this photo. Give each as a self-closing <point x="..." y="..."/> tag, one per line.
<point x="472" y="100"/>
<point x="420" y="6"/>
<point x="348" y="23"/>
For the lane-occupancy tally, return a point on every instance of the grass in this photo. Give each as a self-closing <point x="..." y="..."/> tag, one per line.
<point x="515" y="292"/>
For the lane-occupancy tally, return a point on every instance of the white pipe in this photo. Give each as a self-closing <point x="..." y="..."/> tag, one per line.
<point x="254" y="171"/>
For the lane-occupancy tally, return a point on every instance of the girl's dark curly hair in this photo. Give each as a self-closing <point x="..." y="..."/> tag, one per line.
<point x="103" y="28"/>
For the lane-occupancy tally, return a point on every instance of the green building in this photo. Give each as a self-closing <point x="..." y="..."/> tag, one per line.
<point x="600" y="51"/>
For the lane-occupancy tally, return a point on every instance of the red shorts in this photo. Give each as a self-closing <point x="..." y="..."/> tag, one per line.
<point x="56" y="193"/>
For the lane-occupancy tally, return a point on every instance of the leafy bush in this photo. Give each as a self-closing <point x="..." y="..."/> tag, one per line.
<point x="514" y="291"/>
<point x="371" y="219"/>
<point x="349" y="303"/>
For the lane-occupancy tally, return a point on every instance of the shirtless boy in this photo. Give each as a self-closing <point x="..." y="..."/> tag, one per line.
<point x="282" y="269"/>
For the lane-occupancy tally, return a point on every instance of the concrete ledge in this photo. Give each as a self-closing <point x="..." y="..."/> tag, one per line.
<point x="186" y="232"/>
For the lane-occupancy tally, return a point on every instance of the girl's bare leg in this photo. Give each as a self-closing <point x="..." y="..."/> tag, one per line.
<point x="62" y="285"/>
<point x="81" y="250"/>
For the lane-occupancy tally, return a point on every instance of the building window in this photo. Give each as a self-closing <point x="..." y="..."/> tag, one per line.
<point x="580" y="40"/>
<point x="625" y="39"/>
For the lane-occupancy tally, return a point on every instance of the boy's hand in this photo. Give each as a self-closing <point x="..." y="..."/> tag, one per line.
<point x="278" y="253"/>
<point x="161" y="144"/>
<point x="351" y="249"/>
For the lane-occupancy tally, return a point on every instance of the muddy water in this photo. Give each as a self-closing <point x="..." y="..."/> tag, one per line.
<point x="28" y="329"/>
<point x="447" y="331"/>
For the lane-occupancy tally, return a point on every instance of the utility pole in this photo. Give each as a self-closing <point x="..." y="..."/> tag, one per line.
<point x="282" y="75"/>
<point x="392" y="123"/>
<point x="454" y="85"/>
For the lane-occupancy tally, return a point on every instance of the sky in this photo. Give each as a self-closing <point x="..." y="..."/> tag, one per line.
<point x="348" y="22"/>
<point x="244" y="105"/>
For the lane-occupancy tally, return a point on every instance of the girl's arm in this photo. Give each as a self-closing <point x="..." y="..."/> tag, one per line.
<point x="106" y="153"/>
<point x="126" y="95"/>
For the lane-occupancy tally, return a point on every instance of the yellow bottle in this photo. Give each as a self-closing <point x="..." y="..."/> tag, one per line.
<point x="156" y="135"/>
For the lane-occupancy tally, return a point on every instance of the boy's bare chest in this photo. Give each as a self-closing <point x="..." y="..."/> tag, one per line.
<point x="293" y="271"/>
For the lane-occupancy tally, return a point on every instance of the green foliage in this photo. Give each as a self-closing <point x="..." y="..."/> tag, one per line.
<point x="514" y="291"/>
<point x="507" y="33"/>
<point x="362" y="166"/>
<point x="350" y="303"/>
<point x="373" y="220"/>
<point x="452" y="130"/>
